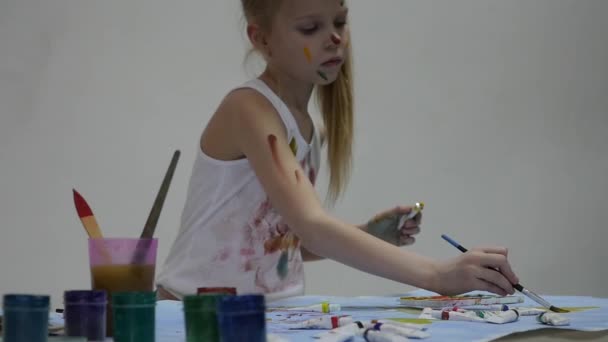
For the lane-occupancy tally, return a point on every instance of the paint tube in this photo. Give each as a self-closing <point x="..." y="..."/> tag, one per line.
<point x="421" y="327"/>
<point x="354" y="328"/>
<point x="530" y="311"/>
<point x="460" y="315"/>
<point x="324" y="322"/>
<point x="495" y="317"/>
<point x="500" y="317"/>
<point x="324" y="307"/>
<point x="551" y="318"/>
<point x="401" y="331"/>
<point x="415" y="210"/>
<point x="371" y="335"/>
<point x="428" y="313"/>
<point x="492" y="307"/>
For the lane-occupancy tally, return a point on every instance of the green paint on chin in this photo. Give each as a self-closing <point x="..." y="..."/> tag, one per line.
<point x="282" y="269"/>
<point x="322" y="74"/>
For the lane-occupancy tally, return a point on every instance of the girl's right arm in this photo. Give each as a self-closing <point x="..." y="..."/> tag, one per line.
<point x="259" y="134"/>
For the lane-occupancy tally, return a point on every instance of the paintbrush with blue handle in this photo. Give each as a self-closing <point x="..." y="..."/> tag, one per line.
<point x="518" y="287"/>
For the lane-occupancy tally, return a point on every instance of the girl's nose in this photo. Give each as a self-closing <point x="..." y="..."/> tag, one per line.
<point x="336" y="39"/>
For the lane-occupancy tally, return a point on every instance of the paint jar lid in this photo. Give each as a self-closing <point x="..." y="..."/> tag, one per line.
<point x="14" y="301"/>
<point x="204" y="302"/>
<point x="246" y="303"/>
<point x="133" y="298"/>
<point x="85" y="297"/>
<point x="217" y="290"/>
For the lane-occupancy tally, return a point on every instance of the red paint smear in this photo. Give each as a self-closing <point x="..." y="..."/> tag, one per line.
<point x="247" y="252"/>
<point x="223" y="254"/>
<point x="312" y="176"/>
<point x="297" y="176"/>
<point x="82" y="208"/>
<point x="273" y="245"/>
<point x="272" y="141"/>
<point x="336" y="39"/>
<point x="335" y="321"/>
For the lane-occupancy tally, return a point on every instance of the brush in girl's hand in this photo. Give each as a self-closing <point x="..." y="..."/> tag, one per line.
<point x="518" y="287"/>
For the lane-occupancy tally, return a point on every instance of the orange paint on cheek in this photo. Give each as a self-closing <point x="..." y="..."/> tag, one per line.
<point x="308" y="54"/>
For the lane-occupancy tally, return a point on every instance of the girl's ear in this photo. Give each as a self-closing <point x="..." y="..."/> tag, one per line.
<point x="258" y="39"/>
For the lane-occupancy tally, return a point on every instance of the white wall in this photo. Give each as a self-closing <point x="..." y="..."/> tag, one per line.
<point x="493" y="112"/>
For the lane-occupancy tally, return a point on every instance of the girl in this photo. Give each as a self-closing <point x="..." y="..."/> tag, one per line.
<point x="252" y="215"/>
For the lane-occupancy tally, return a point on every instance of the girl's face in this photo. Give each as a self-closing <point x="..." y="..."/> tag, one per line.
<point x="308" y="39"/>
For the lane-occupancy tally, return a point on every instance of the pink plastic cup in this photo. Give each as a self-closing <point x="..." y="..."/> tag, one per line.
<point x="122" y="265"/>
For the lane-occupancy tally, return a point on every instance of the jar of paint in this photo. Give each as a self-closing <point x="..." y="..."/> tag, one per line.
<point x="217" y="290"/>
<point x="201" y="318"/>
<point x="122" y="265"/>
<point x="85" y="314"/>
<point x="134" y="315"/>
<point x="242" y="318"/>
<point x="26" y="318"/>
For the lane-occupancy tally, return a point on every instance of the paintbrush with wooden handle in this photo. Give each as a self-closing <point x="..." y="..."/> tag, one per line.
<point x="157" y="207"/>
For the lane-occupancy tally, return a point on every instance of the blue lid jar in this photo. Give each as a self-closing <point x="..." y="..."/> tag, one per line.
<point x="242" y="318"/>
<point x="85" y="297"/>
<point x="25" y="318"/>
<point x="18" y="301"/>
<point x="85" y="314"/>
<point x="245" y="303"/>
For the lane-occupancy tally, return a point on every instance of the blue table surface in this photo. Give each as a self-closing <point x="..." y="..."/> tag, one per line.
<point x="170" y="324"/>
<point x="170" y="319"/>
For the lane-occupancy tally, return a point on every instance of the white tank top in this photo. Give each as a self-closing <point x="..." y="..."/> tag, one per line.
<point x="230" y="235"/>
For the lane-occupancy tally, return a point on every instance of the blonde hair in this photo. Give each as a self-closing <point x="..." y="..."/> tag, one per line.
<point x="335" y="103"/>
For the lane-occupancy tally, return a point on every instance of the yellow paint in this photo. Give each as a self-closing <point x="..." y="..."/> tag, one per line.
<point x="412" y="311"/>
<point x="575" y="308"/>
<point x="308" y="54"/>
<point x="412" y="320"/>
<point x="294" y="146"/>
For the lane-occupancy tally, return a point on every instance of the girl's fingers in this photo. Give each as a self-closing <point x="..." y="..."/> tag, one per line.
<point x="483" y="285"/>
<point x="493" y="250"/>
<point x="501" y="263"/>
<point x="413" y="231"/>
<point x="496" y="278"/>
<point x="406" y="240"/>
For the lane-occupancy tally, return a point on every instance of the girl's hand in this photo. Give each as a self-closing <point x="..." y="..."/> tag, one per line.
<point x="385" y="226"/>
<point x="485" y="269"/>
